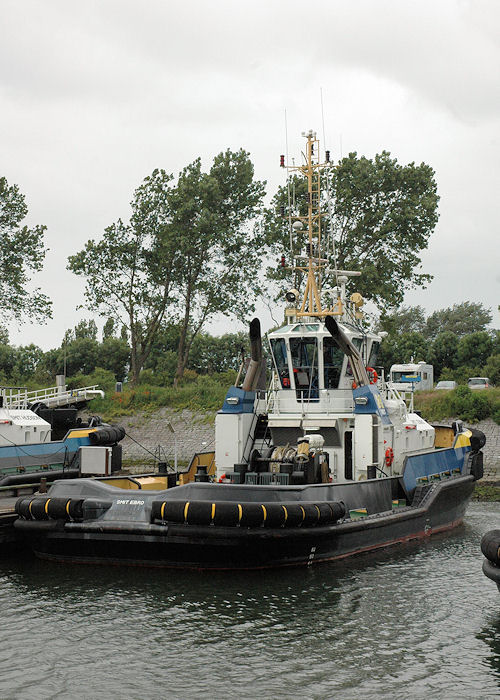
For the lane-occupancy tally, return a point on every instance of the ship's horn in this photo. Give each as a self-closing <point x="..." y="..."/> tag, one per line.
<point x="358" y="368"/>
<point x="252" y="375"/>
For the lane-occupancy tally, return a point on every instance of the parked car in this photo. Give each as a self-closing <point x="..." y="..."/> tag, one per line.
<point x="447" y="385"/>
<point x="479" y="383"/>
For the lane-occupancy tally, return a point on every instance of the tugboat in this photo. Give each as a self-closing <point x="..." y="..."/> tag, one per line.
<point x="325" y="463"/>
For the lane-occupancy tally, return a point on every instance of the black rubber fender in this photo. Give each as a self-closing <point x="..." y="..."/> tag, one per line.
<point x="312" y="514"/>
<point x="492" y="571"/>
<point x="476" y="465"/>
<point x="477" y="440"/>
<point x="231" y="514"/>
<point x="227" y="514"/>
<point x="490" y="546"/>
<point x="107" y="436"/>
<point x="295" y="514"/>
<point x="172" y="511"/>
<point x="252" y="515"/>
<point x="199" y="512"/>
<point x="22" y="507"/>
<point x="274" y="514"/>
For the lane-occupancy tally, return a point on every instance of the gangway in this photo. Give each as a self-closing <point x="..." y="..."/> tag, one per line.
<point x="53" y="397"/>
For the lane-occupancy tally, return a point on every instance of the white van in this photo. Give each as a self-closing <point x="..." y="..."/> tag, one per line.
<point x="412" y="376"/>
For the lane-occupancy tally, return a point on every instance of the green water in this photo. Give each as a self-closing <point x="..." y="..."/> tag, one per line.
<point x="416" y="621"/>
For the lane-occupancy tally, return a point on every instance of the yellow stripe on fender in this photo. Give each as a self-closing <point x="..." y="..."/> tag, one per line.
<point x="264" y="511"/>
<point x="186" y="508"/>
<point x="29" y="507"/>
<point x="240" y="512"/>
<point x="67" y="506"/>
<point x="286" y="513"/>
<point x="212" y="516"/>
<point x="162" y="510"/>
<point x="319" y="512"/>
<point x="47" y="505"/>
<point x="303" y="513"/>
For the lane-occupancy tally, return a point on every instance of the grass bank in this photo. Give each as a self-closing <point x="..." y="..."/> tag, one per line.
<point x="462" y="403"/>
<point x="204" y="394"/>
<point x="486" y="492"/>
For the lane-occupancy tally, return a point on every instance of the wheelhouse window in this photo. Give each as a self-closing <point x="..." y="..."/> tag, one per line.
<point x="304" y="352"/>
<point x="374" y="354"/>
<point x="333" y="358"/>
<point x="357" y="342"/>
<point x="278" y="347"/>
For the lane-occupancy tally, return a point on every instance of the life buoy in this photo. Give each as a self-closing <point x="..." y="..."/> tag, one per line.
<point x="372" y="376"/>
<point x="389" y="457"/>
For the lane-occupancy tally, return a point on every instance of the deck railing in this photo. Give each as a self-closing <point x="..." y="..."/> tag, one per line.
<point x="54" y="396"/>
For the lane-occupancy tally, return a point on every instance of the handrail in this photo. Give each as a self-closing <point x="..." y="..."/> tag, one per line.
<point x="14" y="397"/>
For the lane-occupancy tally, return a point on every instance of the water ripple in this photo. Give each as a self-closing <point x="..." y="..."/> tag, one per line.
<point x="418" y="621"/>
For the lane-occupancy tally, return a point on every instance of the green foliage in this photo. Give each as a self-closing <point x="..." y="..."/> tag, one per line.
<point x="462" y="403"/>
<point x="384" y="214"/>
<point x="204" y="394"/>
<point x="220" y="253"/>
<point x="188" y="251"/>
<point x="402" y="348"/>
<point x="211" y="354"/>
<point x="486" y="492"/>
<point x="460" y="319"/>
<point x="27" y="360"/>
<point x="129" y="272"/>
<point x="81" y="356"/>
<point x="492" y="369"/>
<point x="103" y="377"/>
<point x="406" y="319"/>
<point x="444" y="353"/>
<point x="22" y="253"/>
<point x="474" y="349"/>
<point x="108" y="329"/>
<point x="113" y="354"/>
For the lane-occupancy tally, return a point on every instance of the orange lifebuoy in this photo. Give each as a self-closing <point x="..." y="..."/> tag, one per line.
<point x="389" y="457"/>
<point x="372" y="375"/>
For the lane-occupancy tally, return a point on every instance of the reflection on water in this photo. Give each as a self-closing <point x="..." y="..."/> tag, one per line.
<point x="418" y="620"/>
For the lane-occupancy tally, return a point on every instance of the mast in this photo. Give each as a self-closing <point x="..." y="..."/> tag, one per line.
<point x="311" y="301"/>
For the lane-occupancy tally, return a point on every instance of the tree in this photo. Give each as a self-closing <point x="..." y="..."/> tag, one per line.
<point x="406" y="319"/>
<point x="108" y="330"/>
<point x="407" y="347"/>
<point x="460" y="319"/>
<point x="444" y="352"/>
<point x="81" y="356"/>
<point x="211" y="216"/>
<point x="114" y="355"/>
<point x="474" y="349"/>
<point x="22" y="253"/>
<point x="383" y="215"/>
<point x="211" y="354"/>
<point x="27" y="360"/>
<point x="492" y="369"/>
<point x="129" y="272"/>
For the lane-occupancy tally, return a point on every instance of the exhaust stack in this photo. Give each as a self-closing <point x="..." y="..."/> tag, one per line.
<point x="253" y="372"/>
<point x="358" y="368"/>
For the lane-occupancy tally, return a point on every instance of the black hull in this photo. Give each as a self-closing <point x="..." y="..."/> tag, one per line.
<point x="221" y="548"/>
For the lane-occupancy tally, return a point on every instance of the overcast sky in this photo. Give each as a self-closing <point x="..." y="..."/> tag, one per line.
<point x="94" y="95"/>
